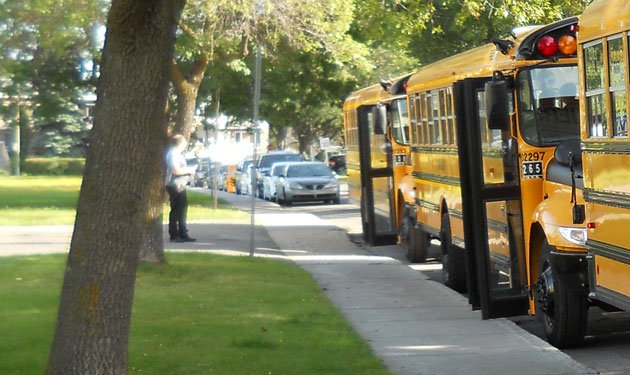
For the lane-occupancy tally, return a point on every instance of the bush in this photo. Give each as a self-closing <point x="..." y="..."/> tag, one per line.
<point x="54" y="166"/>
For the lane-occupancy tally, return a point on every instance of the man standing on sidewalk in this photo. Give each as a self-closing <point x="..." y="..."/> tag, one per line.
<point x="177" y="176"/>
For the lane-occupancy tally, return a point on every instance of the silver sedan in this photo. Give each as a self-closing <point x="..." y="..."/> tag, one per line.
<point x="307" y="182"/>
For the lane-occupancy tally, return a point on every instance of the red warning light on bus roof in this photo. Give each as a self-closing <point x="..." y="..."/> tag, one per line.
<point x="547" y="46"/>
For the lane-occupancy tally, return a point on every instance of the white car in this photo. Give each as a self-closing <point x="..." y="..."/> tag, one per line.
<point x="243" y="177"/>
<point x="270" y="178"/>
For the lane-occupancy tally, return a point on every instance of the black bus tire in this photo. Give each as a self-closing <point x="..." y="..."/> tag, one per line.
<point x="453" y="259"/>
<point x="416" y="241"/>
<point x="561" y="307"/>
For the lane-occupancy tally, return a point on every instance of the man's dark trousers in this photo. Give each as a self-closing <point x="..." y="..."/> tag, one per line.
<point x="177" y="216"/>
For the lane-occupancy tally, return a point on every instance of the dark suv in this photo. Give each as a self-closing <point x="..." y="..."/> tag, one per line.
<point x="267" y="160"/>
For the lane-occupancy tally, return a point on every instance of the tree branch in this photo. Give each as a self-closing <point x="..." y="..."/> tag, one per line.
<point x="187" y="30"/>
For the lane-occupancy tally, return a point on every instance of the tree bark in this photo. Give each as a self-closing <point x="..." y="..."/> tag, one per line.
<point x="152" y="248"/>
<point x="26" y="133"/>
<point x="186" y="87"/>
<point x="94" y="316"/>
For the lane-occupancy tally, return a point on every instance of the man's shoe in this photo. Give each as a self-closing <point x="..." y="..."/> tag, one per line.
<point x="176" y="239"/>
<point x="187" y="239"/>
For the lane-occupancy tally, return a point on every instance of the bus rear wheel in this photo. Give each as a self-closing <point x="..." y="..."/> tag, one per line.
<point x="414" y="240"/>
<point x="453" y="259"/>
<point x="560" y="306"/>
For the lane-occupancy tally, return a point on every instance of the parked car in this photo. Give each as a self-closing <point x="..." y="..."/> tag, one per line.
<point x="243" y="176"/>
<point x="192" y="163"/>
<point x="307" y="182"/>
<point x="222" y="177"/>
<point x="203" y="174"/>
<point x="267" y="160"/>
<point x="270" y="178"/>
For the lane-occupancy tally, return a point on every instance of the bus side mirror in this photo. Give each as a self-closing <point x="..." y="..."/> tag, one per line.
<point x="497" y="107"/>
<point x="379" y="114"/>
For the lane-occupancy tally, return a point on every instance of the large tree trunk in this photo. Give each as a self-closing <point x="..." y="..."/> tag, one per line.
<point x="94" y="315"/>
<point x="152" y="248"/>
<point x="304" y="142"/>
<point x="26" y="133"/>
<point x="186" y="87"/>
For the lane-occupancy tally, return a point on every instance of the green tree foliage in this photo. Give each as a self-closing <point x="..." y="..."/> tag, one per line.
<point x="302" y="91"/>
<point x="222" y="35"/>
<point x="45" y="47"/>
<point x="413" y="33"/>
<point x="454" y="27"/>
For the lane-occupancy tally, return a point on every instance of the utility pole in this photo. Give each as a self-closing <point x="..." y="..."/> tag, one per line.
<point x="214" y="166"/>
<point x="257" y="74"/>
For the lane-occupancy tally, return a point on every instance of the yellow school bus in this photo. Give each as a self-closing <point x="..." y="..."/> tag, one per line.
<point x="495" y="136"/>
<point x="603" y="64"/>
<point x="493" y="172"/>
<point x="377" y="156"/>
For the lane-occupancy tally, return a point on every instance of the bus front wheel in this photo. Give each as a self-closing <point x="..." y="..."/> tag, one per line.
<point x="453" y="259"/>
<point x="415" y="240"/>
<point x="560" y="306"/>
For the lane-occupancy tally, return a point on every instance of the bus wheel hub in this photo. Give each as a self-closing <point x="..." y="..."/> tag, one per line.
<point x="545" y="290"/>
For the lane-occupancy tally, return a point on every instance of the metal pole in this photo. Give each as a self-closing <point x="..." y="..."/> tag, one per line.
<point x="254" y="142"/>
<point x="214" y="167"/>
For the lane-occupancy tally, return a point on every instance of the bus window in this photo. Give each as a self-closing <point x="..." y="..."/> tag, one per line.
<point x="436" y="138"/>
<point x="449" y="117"/>
<point x="617" y="86"/>
<point x="423" y="121"/>
<point x="430" y="123"/>
<point x="400" y="122"/>
<point x="594" y="69"/>
<point x="413" y="120"/>
<point x="548" y="106"/>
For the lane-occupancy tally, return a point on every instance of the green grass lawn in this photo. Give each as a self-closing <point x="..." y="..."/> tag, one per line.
<point x="51" y="200"/>
<point x="200" y="314"/>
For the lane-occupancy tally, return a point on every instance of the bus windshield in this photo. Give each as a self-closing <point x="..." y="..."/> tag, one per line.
<point x="547" y="105"/>
<point x="400" y="122"/>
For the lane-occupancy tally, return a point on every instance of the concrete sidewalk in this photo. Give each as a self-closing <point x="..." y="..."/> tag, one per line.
<point x="415" y="325"/>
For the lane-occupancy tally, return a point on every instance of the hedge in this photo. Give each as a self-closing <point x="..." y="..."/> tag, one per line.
<point x="54" y="166"/>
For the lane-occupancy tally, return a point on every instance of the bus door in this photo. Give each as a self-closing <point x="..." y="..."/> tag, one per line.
<point x="491" y="205"/>
<point x="377" y="209"/>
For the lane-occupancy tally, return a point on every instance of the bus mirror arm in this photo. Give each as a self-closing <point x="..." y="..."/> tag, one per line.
<point x="579" y="210"/>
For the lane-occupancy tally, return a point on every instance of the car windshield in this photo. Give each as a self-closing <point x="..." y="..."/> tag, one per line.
<point x="548" y="105"/>
<point x="268" y="160"/>
<point x="277" y="169"/>
<point x="309" y="170"/>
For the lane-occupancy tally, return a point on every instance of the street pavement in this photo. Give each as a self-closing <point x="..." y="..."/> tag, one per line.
<point x="415" y="325"/>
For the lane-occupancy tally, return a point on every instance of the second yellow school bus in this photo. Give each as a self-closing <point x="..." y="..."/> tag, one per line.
<point x="377" y="158"/>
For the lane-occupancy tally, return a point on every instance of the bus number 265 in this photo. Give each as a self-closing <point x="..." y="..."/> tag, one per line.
<point x="532" y="169"/>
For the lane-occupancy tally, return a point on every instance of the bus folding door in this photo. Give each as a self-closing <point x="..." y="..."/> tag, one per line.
<point x="491" y="207"/>
<point x="377" y="210"/>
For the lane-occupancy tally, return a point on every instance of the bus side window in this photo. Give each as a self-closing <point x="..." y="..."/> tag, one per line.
<point x="595" y="85"/>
